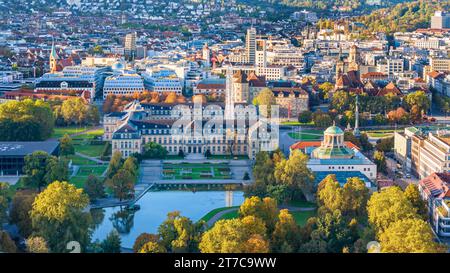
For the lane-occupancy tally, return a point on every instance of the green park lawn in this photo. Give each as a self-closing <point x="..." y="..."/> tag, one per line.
<point x="196" y="171"/>
<point x="307" y="134"/>
<point x="59" y="132"/>
<point x="83" y="173"/>
<point x="78" y="160"/>
<point x="210" y="214"/>
<point x="296" y="123"/>
<point x="301" y="217"/>
<point x="93" y="150"/>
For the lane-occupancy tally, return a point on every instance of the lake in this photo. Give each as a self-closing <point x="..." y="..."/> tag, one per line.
<point x="154" y="208"/>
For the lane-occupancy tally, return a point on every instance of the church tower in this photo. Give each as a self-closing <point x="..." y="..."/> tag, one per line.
<point x="53" y="59"/>
<point x="339" y="65"/>
<point x="353" y="59"/>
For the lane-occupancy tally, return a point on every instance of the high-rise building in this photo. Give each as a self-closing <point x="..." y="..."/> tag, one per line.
<point x="206" y="55"/>
<point x="130" y="45"/>
<point x="440" y="20"/>
<point x="251" y="45"/>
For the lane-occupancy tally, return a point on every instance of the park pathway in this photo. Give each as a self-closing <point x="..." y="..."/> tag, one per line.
<point x="92" y="158"/>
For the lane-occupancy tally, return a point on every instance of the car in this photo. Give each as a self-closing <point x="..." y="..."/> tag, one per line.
<point x="408" y="175"/>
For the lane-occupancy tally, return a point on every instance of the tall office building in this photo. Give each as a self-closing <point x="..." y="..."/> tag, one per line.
<point x="130" y="45"/>
<point x="251" y="45"/>
<point x="440" y="20"/>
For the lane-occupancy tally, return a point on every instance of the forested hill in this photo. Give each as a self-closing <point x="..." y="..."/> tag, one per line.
<point x="403" y="17"/>
<point x="327" y="5"/>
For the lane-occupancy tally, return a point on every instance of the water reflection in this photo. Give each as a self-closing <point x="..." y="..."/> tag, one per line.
<point x="154" y="207"/>
<point x="123" y="220"/>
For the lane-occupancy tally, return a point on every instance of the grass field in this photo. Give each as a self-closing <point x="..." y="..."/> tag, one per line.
<point x="302" y="204"/>
<point x="230" y="215"/>
<point x="78" y="181"/>
<point x="307" y="134"/>
<point x="97" y="171"/>
<point x="59" y="132"/>
<point x="380" y="133"/>
<point x="210" y="214"/>
<point x="196" y="171"/>
<point x="89" y="149"/>
<point x="302" y="216"/>
<point x="78" y="160"/>
<point x="296" y="123"/>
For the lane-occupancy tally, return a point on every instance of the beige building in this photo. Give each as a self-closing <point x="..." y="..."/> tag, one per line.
<point x="440" y="64"/>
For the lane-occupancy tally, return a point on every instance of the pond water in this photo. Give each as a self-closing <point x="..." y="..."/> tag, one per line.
<point x="154" y="208"/>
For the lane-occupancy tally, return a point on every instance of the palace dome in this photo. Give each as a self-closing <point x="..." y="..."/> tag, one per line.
<point x="334" y="130"/>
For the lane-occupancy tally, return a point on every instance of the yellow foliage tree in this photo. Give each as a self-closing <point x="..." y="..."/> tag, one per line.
<point x="409" y="236"/>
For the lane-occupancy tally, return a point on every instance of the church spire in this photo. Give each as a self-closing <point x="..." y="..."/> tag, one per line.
<point x="53" y="58"/>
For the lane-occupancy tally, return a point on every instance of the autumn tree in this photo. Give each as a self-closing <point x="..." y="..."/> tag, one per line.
<point x="122" y="184"/>
<point x="114" y="164"/>
<point x="143" y="239"/>
<point x="179" y="233"/>
<point x="152" y="247"/>
<point x="387" y="207"/>
<point x="285" y="235"/>
<point x="409" y="236"/>
<point x="380" y="161"/>
<point x="243" y="235"/>
<point x="66" y="146"/>
<point x="94" y="187"/>
<point x="265" y="98"/>
<point x="36" y="245"/>
<point x="21" y="206"/>
<point x="112" y="242"/>
<point x="266" y="209"/>
<point x="58" y="215"/>
<point x="413" y="195"/>
<point x="294" y="173"/>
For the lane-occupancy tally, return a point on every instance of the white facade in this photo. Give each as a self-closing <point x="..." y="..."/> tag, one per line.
<point x="123" y="84"/>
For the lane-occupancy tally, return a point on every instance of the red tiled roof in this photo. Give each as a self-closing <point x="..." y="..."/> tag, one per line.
<point x="304" y="144"/>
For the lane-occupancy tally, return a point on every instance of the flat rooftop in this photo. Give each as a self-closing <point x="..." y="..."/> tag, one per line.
<point x="20" y="148"/>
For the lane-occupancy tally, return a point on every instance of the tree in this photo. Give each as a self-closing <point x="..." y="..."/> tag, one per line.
<point x="7" y="245"/>
<point x="66" y="146"/>
<point x="341" y="101"/>
<point x="321" y="119"/>
<point x="92" y="115"/>
<point x="179" y="233"/>
<point x="122" y="184"/>
<point x="26" y="120"/>
<point x="94" y="187"/>
<point x="57" y="169"/>
<point x="265" y="98"/>
<point x="365" y="144"/>
<point x="385" y="145"/>
<point x="418" y="99"/>
<point x="171" y="98"/>
<point x="266" y="209"/>
<point x="409" y="236"/>
<point x="326" y="88"/>
<point x="355" y="195"/>
<point x="58" y="215"/>
<point x="294" y="173"/>
<point x="152" y="247"/>
<point x="387" y="207"/>
<point x="36" y="245"/>
<point x="35" y="168"/>
<point x="74" y="111"/>
<point x="279" y="192"/>
<point x="413" y="195"/>
<point x="112" y="242"/>
<point x="3" y="202"/>
<point x="154" y="150"/>
<point x="284" y="237"/>
<point x="131" y="166"/>
<point x="305" y="116"/>
<point x="380" y="160"/>
<point x="21" y="206"/>
<point x="144" y="238"/>
<point x="243" y="235"/>
<point x="114" y="164"/>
